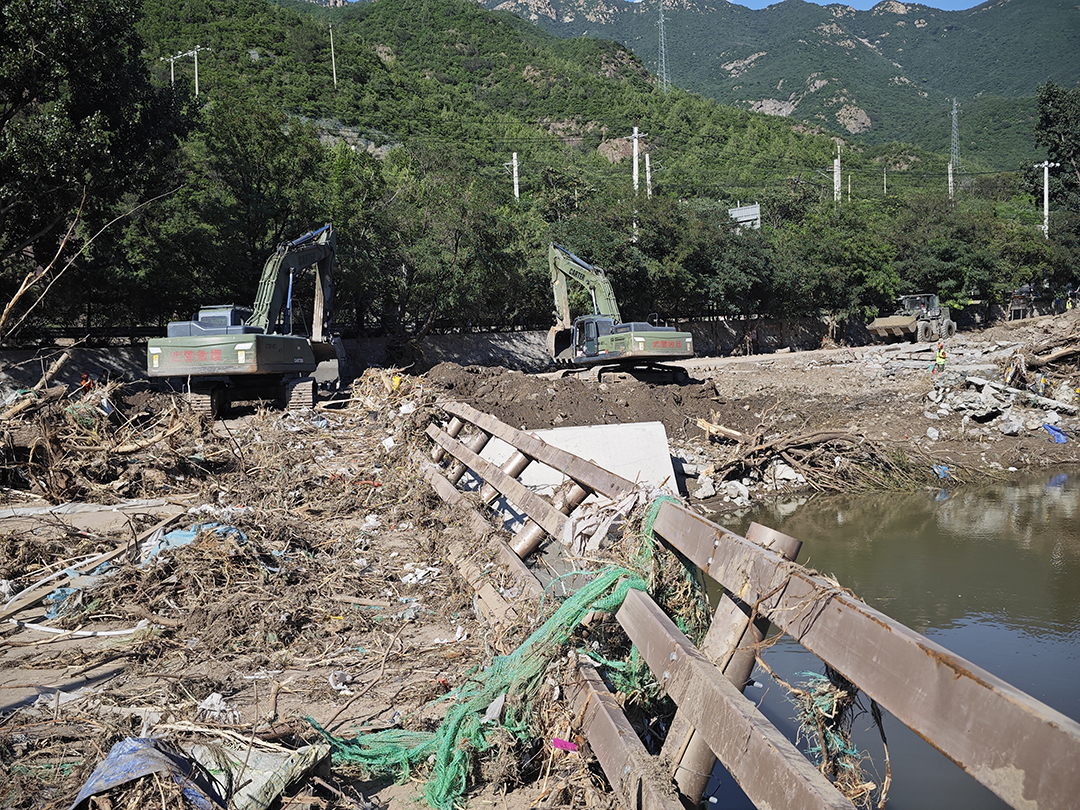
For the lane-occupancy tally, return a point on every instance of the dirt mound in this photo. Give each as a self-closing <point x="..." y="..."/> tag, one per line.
<point x="539" y="402"/>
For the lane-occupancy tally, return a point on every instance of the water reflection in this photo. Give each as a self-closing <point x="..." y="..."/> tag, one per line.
<point x="989" y="572"/>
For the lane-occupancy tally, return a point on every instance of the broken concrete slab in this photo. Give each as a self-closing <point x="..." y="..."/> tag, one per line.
<point x="637" y="451"/>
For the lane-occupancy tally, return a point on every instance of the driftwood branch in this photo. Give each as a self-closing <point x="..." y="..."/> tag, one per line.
<point x="1054" y="357"/>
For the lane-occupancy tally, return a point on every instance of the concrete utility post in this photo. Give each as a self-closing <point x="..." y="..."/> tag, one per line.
<point x="836" y="176"/>
<point x="333" y="59"/>
<point x="648" y="177"/>
<point x="172" y="65"/>
<point x="635" y="136"/>
<point x="1046" y="167"/>
<point x="512" y="167"/>
<point x="195" y="53"/>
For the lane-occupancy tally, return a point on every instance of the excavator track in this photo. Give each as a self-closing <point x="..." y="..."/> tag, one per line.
<point x="201" y="402"/>
<point x="213" y="402"/>
<point x="300" y="393"/>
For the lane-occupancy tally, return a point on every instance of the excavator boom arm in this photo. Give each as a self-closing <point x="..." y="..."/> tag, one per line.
<point x="565" y="265"/>
<point x="313" y="248"/>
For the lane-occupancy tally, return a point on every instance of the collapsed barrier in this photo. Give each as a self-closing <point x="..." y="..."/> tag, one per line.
<point x="1013" y="744"/>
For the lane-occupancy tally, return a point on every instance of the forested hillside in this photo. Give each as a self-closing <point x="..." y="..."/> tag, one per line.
<point x="888" y="74"/>
<point x="403" y="136"/>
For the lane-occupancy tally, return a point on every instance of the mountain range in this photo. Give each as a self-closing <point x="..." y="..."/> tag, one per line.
<point x="890" y="74"/>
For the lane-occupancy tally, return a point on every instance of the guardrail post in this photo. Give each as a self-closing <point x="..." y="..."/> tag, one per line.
<point x="566" y="500"/>
<point x="513" y="467"/>
<point x="729" y="644"/>
<point x="452" y="429"/>
<point x="477" y="442"/>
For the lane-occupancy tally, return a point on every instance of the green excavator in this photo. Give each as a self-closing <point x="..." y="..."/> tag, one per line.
<point x="230" y="353"/>
<point x="602" y="338"/>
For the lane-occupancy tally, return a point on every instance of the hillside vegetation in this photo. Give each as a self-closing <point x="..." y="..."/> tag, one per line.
<point x="888" y="74"/>
<point x="408" y="154"/>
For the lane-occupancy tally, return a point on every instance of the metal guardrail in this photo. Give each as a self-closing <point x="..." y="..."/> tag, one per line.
<point x="1016" y="746"/>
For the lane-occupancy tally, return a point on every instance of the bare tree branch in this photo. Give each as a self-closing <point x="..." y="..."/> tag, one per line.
<point x="33" y="277"/>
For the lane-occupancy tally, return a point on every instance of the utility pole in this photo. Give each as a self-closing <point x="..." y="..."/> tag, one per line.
<point x="1046" y="166"/>
<point x="648" y="177"/>
<point x="636" y="137"/>
<point x="512" y="167"/>
<point x="172" y="68"/>
<point x="662" y="73"/>
<point x="836" y="193"/>
<point x="884" y="181"/>
<point x="195" y="53"/>
<point x="333" y="59"/>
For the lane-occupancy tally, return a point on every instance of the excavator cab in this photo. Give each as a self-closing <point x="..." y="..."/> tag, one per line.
<point x="588" y="330"/>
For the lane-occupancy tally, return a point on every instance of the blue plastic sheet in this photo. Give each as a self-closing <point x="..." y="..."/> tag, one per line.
<point x="183" y="537"/>
<point x="175" y="539"/>
<point x="1057" y="434"/>
<point x="135" y="757"/>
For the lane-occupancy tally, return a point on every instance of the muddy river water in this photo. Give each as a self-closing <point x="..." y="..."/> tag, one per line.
<point x="992" y="573"/>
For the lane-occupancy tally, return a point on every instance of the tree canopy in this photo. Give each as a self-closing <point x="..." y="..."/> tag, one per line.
<point x="409" y="155"/>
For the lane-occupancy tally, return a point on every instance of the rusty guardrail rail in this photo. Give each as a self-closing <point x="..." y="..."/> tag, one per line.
<point x="1016" y="746"/>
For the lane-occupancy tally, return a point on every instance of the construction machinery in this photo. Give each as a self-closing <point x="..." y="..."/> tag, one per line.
<point x="602" y="338"/>
<point x="920" y="317"/>
<point x="230" y="353"/>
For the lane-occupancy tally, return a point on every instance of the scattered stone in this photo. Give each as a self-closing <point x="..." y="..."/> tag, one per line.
<point x="736" y="490"/>
<point x="1011" y="426"/>
<point x="932" y="434"/>
<point x="706" y="489"/>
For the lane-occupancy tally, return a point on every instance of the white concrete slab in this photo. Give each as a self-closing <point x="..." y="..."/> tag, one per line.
<point x="637" y="451"/>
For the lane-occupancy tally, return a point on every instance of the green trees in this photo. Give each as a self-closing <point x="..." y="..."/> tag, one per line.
<point x="429" y="233"/>
<point x="1058" y="129"/>
<point x="81" y="130"/>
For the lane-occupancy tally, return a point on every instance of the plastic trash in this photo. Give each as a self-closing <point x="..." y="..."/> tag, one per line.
<point x="182" y="537"/>
<point x="340" y="680"/>
<point x="941" y="471"/>
<point x="204" y="771"/>
<point x="1057" y="434"/>
<point x="494" y="709"/>
<point x="135" y="757"/>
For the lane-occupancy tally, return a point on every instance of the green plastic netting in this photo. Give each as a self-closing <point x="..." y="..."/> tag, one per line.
<point x="463" y="733"/>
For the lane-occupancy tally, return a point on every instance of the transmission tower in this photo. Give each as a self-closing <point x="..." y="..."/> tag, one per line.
<point x="954" y="152"/>
<point x="662" y="74"/>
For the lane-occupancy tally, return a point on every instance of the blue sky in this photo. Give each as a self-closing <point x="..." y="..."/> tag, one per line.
<point x="864" y="5"/>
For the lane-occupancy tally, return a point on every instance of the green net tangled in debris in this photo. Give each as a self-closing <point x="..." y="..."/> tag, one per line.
<point x="827" y="706"/>
<point x="463" y="733"/>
